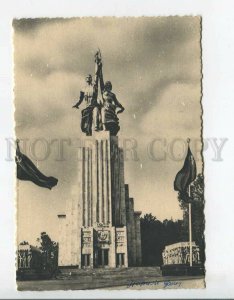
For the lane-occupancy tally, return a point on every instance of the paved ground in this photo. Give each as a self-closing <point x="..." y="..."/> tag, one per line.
<point x="131" y="278"/>
<point x="166" y="283"/>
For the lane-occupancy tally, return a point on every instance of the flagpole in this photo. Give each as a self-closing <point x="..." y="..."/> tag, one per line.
<point x="17" y="211"/>
<point x="190" y="229"/>
<point x="182" y="184"/>
<point x="190" y="223"/>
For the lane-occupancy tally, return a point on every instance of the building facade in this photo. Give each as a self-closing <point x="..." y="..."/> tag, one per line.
<point x="100" y="227"/>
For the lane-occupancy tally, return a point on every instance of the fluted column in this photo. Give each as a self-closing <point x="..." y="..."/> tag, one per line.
<point x="100" y="190"/>
<point x="94" y="184"/>
<point x="133" y="231"/>
<point x="138" y="237"/>
<point x="96" y="176"/>
<point x="86" y="187"/>
<point x="105" y="214"/>
<point x="101" y="174"/>
<point x="82" y="185"/>
<point x="122" y="189"/>
<point x="109" y="200"/>
<point x="116" y="185"/>
<point x="91" y="186"/>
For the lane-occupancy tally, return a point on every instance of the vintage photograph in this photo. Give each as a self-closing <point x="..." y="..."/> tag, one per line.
<point x="109" y="166"/>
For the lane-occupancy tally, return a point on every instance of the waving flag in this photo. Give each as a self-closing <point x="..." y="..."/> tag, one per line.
<point x="187" y="174"/>
<point x="26" y="170"/>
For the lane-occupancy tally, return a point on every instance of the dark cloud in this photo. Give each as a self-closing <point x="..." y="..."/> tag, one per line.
<point x="28" y="25"/>
<point x="159" y="39"/>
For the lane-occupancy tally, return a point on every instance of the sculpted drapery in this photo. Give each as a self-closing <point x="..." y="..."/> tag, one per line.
<point x="99" y="114"/>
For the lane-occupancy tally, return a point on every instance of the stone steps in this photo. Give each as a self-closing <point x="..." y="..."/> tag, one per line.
<point x="108" y="274"/>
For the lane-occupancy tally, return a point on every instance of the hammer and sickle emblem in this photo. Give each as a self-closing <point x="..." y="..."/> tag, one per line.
<point x="103" y="235"/>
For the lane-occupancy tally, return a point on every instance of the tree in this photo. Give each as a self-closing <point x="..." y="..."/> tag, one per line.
<point x="155" y="235"/>
<point x="151" y="232"/>
<point x="49" y="251"/>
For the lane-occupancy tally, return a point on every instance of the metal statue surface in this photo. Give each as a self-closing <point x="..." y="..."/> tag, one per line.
<point x="99" y="114"/>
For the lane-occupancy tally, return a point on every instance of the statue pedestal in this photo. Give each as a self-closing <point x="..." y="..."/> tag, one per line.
<point x="182" y="270"/>
<point x="176" y="259"/>
<point x="102" y="229"/>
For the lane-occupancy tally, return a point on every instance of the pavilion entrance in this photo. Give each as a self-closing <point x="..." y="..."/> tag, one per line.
<point x="102" y="258"/>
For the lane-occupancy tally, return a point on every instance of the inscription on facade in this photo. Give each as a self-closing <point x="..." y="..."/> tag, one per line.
<point x="120" y="239"/>
<point x="87" y="241"/>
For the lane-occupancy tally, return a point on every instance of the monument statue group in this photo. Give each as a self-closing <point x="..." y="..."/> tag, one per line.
<point x="100" y="227"/>
<point x="100" y="113"/>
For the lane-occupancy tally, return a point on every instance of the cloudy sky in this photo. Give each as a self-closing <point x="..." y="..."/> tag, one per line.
<point x="155" y="68"/>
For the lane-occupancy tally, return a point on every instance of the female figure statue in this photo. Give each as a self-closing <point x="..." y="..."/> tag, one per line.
<point x="109" y="104"/>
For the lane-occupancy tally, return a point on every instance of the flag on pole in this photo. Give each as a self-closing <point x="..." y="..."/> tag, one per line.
<point x="187" y="174"/>
<point x="26" y="170"/>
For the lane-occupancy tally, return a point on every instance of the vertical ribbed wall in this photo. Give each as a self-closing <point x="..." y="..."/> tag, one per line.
<point x="118" y="187"/>
<point x="138" y="237"/>
<point x="102" y="182"/>
<point x="133" y="231"/>
<point x="122" y="190"/>
<point x="95" y="181"/>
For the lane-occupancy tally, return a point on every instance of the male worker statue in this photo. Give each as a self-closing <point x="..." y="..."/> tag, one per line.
<point x="91" y="114"/>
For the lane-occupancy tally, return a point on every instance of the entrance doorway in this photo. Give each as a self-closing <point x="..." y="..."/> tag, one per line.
<point x="120" y="260"/>
<point x="85" y="260"/>
<point x="103" y="257"/>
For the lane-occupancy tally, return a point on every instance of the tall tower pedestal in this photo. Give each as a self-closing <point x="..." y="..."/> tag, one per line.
<point x="100" y="229"/>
